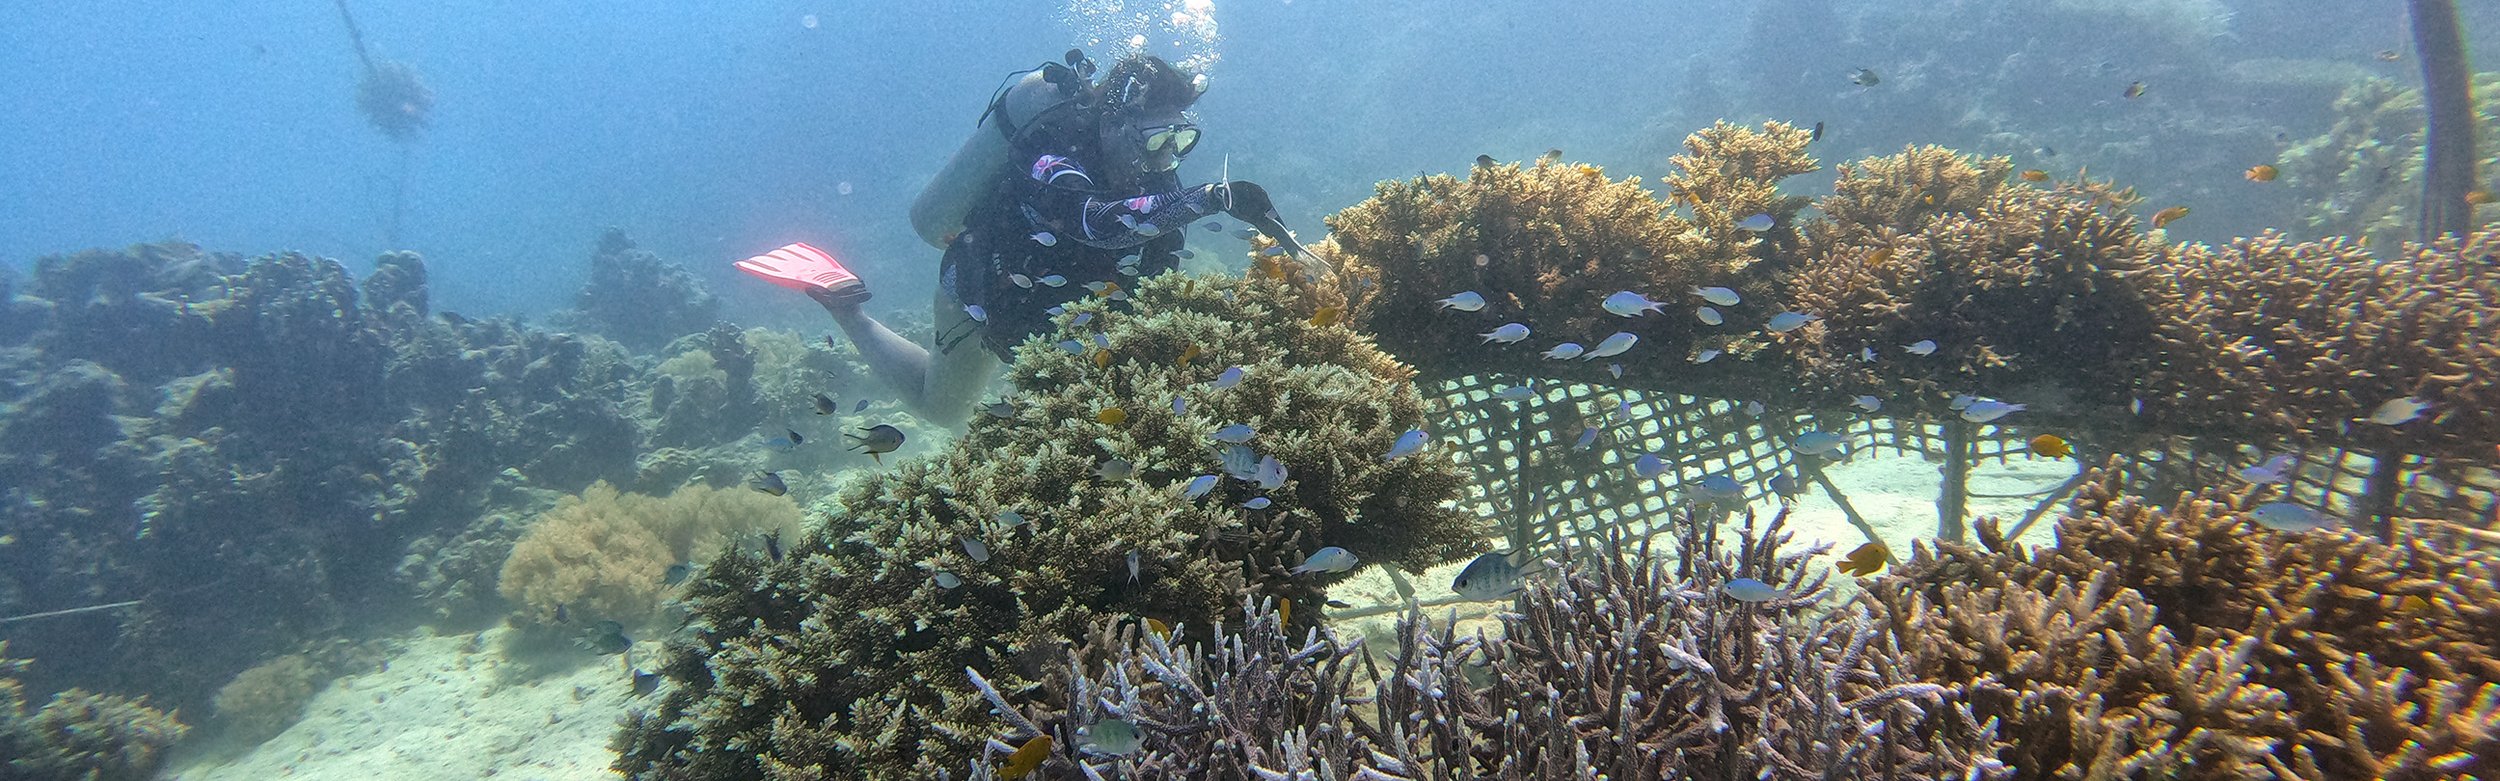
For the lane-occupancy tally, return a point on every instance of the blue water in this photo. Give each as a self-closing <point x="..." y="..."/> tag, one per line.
<point x="710" y="130"/>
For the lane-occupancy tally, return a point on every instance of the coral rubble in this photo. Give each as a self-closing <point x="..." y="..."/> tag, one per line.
<point x="845" y="657"/>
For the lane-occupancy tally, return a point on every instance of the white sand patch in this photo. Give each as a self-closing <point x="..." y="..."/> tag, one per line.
<point x="1894" y="493"/>
<point x="446" y="707"/>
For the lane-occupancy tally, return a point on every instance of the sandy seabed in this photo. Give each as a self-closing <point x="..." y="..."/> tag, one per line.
<point x="452" y="706"/>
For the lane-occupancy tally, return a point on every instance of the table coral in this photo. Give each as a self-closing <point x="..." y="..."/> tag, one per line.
<point x="846" y="657"/>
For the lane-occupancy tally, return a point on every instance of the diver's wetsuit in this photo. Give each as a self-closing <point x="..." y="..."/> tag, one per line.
<point x="1051" y="220"/>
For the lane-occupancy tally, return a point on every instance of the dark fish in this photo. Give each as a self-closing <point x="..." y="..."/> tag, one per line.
<point x="677" y="573"/>
<point x="1484" y="161"/>
<point x="1496" y="575"/>
<point x="825" y="405"/>
<point x="608" y="638"/>
<point x="862" y="406"/>
<point x="769" y="482"/>
<point x="829" y="345"/>
<point x="1215" y="226"/>
<point x="561" y="618"/>
<point x="1865" y="77"/>
<point x="645" y="683"/>
<point x="880" y="439"/>
<point x="795" y="439"/>
<point x="2047" y="151"/>
<point x="772" y="545"/>
<point x="1550" y="157"/>
<point x="1817" y="135"/>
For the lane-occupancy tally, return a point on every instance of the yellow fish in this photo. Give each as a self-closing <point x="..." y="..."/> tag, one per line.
<point x="1028" y="758"/>
<point x="1879" y="257"/>
<point x="2051" y="446"/>
<point x="2411" y="603"/>
<point x="2480" y="197"/>
<point x="1160" y="629"/>
<point x="1866" y="560"/>
<point x="1327" y="316"/>
<point x="2035" y="175"/>
<point x="1107" y="289"/>
<point x="1111" y="416"/>
<point x="1284" y="611"/>
<point x="1268" y="266"/>
<point x="2261" y="173"/>
<point x="1189" y="353"/>
<point x="2170" y="215"/>
<point x="1102" y="359"/>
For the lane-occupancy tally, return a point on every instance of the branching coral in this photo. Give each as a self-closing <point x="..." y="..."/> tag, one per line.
<point x="1546" y="243"/>
<point x="2268" y="338"/>
<point x="78" y="734"/>
<point x="604" y="553"/>
<point x="2183" y="643"/>
<point x="846" y="658"/>
<point x="2024" y="285"/>
<point x="1629" y="666"/>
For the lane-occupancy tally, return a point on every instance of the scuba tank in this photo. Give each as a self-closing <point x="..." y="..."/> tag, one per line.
<point x="1032" y="106"/>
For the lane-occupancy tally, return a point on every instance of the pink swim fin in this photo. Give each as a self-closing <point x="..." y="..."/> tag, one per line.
<point x="801" y="266"/>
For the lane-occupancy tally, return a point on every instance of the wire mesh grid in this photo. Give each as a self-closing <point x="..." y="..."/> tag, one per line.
<point x="1559" y="459"/>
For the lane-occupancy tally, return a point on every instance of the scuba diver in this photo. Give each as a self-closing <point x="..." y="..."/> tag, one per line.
<point x="1066" y="182"/>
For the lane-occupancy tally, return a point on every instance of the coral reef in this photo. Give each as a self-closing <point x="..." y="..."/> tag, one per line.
<point x="845" y="657"/>
<point x="638" y="299"/>
<point x="1630" y="666"/>
<point x="78" y="734"/>
<point x="2362" y="179"/>
<point x="2180" y="643"/>
<point x="266" y="699"/>
<point x="2030" y="286"/>
<point x="604" y="553"/>
<point x="2266" y="339"/>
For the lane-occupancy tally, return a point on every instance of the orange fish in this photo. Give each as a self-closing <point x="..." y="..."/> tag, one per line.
<point x="2035" y="175"/>
<point x="1188" y="354"/>
<point x="2167" y="216"/>
<point x="1028" y="758"/>
<point x="2480" y="197"/>
<point x="2051" y="446"/>
<point x="2261" y="173"/>
<point x="1111" y="416"/>
<point x="1102" y="359"/>
<point x="1866" y="560"/>
<point x="1326" y="316"/>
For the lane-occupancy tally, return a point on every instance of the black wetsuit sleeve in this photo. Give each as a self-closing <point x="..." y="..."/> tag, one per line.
<point x="1067" y="200"/>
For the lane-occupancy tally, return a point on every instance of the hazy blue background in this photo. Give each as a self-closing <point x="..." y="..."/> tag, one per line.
<point x="711" y="130"/>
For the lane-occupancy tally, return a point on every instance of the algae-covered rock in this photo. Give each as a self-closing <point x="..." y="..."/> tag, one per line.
<point x="846" y="657"/>
<point x="78" y="734"/>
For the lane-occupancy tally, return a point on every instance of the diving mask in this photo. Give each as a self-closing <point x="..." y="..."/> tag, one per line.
<point x="1178" y="137"/>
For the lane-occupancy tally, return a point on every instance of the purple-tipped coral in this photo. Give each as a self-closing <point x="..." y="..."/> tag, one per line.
<point x="1628" y="666"/>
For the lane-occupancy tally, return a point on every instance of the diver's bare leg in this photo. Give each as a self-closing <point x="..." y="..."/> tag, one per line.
<point x="939" y="388"/>
<point x="958" y="373"/>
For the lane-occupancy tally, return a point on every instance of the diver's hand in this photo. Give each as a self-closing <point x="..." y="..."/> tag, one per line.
<point x="1247" y="201"/>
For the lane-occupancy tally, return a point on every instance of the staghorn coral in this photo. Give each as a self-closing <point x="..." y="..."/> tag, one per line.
<point x="1629" y="666"/>
<point x="2028" y="286"/>
<point x="604" y="553"/>
<point x="78" y="734"/>
<point x="2268" y="339"/>
<point x="845" y="659"/>
<point x="2180" y="643"/>
<point x="1545" y="243"/>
